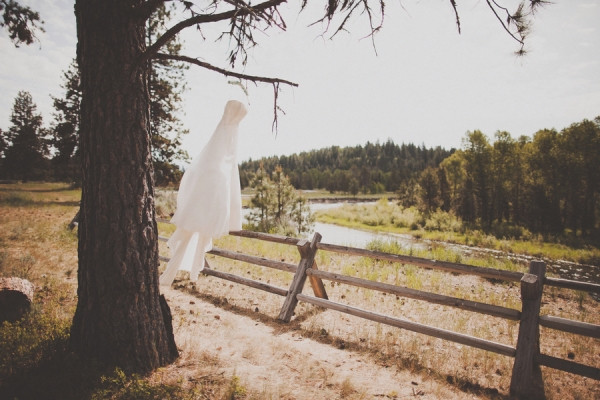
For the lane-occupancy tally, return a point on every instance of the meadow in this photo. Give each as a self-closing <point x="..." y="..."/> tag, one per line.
<point x="36" y="244"/>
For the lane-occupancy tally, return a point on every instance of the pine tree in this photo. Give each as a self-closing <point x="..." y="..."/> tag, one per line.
<point x="166" y="85"/>
<point x="3" y="143"/>
<point x="260" y="217"/>
<point x="429" y="190"/>
<point x="276" y="207"/>
<point x="26" y="142"/>
<point x="284" y="194"/>
<point x="65" y="128"/>
<point x="301" y="216"/>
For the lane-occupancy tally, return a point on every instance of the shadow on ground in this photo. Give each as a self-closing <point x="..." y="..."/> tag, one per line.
<point x="62" y="376"/>
<point x="322" y="336"/>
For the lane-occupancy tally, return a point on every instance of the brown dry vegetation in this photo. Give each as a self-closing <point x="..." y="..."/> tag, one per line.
<point x="233" y="348"/>
<point x="473" y="370"/>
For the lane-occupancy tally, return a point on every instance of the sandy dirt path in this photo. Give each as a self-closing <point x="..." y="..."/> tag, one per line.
<point x="278" y="363"/>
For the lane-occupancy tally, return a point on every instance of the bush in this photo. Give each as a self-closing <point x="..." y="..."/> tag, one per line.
<point x="509" y="231"/>
<point x="33" y="339"/>
<point x="406" y="218"/>
<point x="166" y="203"/>
<point x="443" y="221"/>
<point x="119" y="385"/>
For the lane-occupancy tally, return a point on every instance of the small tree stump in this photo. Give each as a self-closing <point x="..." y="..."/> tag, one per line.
<point x="16" y="296"/>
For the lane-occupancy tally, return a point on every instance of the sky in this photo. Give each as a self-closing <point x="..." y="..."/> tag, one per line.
<point x="424" y="84"/>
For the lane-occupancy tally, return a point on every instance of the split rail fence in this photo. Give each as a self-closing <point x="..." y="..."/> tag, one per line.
<point x="526" y="380"/>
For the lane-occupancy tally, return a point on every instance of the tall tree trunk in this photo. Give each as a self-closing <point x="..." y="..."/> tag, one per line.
<point x="120" y="318"/>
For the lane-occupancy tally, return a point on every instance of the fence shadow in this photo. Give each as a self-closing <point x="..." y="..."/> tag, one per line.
<point x="526" y="378"/>
<point x="321" y="336"/>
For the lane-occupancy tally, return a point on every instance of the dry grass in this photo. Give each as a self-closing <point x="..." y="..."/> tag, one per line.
<point x="36" y="244"/>
<point x="468" y="368"/>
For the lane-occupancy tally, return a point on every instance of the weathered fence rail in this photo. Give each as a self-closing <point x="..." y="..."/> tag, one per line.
<point x="526" y="377"/>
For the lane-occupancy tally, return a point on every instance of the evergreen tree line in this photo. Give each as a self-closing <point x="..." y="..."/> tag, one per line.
<point x="372" y="168"/>
<point x="31" y="151"/>
<point x="549" y="183"/>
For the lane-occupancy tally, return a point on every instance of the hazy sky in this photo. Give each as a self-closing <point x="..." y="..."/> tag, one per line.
<point x="426" y="85"/>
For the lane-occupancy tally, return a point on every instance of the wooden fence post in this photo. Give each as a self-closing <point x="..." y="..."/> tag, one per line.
<point x="526" y="381"/>
<point x="307" y="252"/>
<point x="317" y="284"/>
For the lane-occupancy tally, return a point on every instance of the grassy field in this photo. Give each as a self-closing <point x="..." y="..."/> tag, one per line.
<point x="36" y="244"/>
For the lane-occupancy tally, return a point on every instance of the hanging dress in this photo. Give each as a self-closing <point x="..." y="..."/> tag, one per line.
<point x="209" y="201"/>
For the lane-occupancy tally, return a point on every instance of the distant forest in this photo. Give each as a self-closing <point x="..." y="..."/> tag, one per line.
<point x="548" y="183"/>
<point x="372" y="168"/>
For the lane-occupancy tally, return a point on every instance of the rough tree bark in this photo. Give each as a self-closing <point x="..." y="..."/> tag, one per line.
<point x="119" y="319"/>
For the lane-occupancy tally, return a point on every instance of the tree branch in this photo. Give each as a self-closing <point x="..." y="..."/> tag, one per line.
<point x="203" y="64"/>
<point x="273" y="81"/>
<point x="21" y="22"/>
<point x="346" y="9"/>
<point x="505" y="26"/>
<point x="454" y="6"/>
<point x="204" y="18"/>
<point x="520" y="20"/>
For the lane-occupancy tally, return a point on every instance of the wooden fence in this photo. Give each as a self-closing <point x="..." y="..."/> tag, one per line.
<point x="526" y="380"/>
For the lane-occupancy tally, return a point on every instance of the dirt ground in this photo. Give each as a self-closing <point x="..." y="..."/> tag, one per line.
<point x="275" y="361"/>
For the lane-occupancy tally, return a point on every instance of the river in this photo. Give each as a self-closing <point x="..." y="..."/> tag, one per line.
<point x="358" y="238"/>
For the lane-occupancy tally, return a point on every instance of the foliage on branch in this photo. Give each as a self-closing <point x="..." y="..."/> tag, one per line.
<point x="244" y="20"/>
<point x="21" y="22"/>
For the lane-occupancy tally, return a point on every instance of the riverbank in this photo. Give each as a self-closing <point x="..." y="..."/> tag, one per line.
<point x="446" y="229"/>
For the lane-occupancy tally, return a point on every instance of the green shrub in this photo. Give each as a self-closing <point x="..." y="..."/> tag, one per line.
<point x="235" y="390"/>
<point x="443" y="221"/>
<point x="33" y="339"/>
<point x="119" y="385"/>
<point x="407" y="218"/>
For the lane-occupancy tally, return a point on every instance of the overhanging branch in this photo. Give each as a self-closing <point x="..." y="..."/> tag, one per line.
<point x="454" y="6"/>
<point x="508" y="18"/>
<point x="252" y="78"/>
<point x="152" y="50"/>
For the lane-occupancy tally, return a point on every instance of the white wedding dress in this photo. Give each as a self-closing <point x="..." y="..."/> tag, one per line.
<point x="209" y="201"/>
